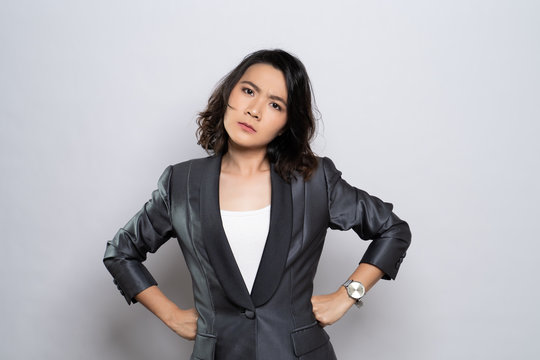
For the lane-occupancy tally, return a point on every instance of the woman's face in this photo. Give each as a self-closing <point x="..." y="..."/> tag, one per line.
<point x="257" y="110"/>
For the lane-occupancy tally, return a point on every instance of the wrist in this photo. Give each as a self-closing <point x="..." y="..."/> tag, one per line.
<point x="173" y="316"/>
<point x="344" y="297"/>
<point x="355" y="290"/>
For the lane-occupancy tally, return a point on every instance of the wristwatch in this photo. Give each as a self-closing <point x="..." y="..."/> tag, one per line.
<point x="355" y="289"/>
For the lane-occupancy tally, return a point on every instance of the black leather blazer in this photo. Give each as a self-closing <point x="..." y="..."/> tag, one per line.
<point x="276" y="320"/>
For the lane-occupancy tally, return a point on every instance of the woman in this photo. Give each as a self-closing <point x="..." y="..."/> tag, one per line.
<point x="251" y="221"/>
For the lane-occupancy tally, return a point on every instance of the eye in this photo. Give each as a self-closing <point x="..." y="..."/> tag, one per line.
<point x="276" y="106"/>
<point x="248" y="91"/>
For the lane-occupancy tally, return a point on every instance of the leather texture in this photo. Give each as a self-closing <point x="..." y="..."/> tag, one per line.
<point x="276" y="320"/>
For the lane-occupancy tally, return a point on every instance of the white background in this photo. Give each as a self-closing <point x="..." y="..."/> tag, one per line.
<point x="430" y="105"/>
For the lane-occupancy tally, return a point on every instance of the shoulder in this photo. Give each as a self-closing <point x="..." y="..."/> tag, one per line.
<point x="325" y="174"/>
<point x="186" y="165"/>
<point x="327" y="168"/>
<point x="194" y="170"/>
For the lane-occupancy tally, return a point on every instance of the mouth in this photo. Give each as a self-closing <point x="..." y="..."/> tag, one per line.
<point x="247" y="127"/>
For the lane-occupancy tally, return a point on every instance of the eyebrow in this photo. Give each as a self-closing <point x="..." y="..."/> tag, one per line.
<point x="258" y="89"/>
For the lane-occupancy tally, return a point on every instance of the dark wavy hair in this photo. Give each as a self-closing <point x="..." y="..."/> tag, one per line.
<point x="291" y="151"/>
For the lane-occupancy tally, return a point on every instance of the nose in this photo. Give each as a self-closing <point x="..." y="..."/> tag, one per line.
<point x="253" y="109"/>
<point x="254" y="114"/>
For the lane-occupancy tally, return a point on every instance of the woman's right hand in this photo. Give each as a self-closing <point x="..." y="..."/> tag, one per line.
<point x="184" y="323"/>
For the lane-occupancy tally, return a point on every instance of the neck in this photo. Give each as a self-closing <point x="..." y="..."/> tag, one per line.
<point x="245" y="161"/>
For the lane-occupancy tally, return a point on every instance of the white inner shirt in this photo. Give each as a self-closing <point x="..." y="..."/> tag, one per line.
<point x="246" y="232"/>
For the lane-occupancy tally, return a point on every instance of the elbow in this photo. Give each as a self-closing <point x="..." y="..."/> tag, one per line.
<point x="400" y="232"/>
<point x="113" y="258"/>
<point x="110" y="257"/>
<point x="406" y="234"/>
<point x="403" y="237"/>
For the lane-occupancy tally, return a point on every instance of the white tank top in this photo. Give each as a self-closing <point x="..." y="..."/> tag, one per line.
<point x="246" y="232"/>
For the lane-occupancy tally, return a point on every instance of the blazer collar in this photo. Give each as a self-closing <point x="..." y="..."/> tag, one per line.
<point x="275" y="252"/>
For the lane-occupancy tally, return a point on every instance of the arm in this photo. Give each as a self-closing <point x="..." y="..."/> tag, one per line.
<point x="182" y="322"/>
<point x="330" y="308"/>
<point x="145" y="232"/>
<point x="372" y="219"/>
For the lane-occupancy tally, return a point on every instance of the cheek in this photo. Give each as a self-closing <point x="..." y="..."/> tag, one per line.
<point x="278" y="124"/>
<point x="233" y="106"/>
<point x="282" y="122"/>
<point x="227" y="119"/>
<point x="235" y="99"/>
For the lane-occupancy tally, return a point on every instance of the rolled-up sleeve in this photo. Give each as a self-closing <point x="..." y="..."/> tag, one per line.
<point x="145" y="232"/>
<point x="371" y="218"/>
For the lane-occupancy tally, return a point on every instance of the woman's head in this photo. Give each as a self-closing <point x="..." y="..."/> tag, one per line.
<point x="290" y="150"/>
<point x="257" y="108"/>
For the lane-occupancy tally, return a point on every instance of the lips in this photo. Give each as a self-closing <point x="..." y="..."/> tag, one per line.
<point x="247" y="127"/>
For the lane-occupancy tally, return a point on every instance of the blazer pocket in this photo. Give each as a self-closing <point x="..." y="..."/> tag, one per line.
<point x="204" y="348"/>
<point x="308" y="338"/>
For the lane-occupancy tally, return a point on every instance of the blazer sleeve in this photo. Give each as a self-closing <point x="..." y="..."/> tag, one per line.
<point x="145" y="232"/>
<point x="370" y="218"/>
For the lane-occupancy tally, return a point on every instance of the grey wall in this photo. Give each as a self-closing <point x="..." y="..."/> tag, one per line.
<point x="430" y="105"/>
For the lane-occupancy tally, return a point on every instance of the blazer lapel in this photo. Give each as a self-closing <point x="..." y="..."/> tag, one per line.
<point x="217" y="247"/>
<point x="276" y="249"/>
<point x="275" y="252"/>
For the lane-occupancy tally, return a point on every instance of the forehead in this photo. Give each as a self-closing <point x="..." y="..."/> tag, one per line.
<point x="267" y="78"/>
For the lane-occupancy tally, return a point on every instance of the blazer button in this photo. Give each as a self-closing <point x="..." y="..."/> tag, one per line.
<point x="249" y="314"/>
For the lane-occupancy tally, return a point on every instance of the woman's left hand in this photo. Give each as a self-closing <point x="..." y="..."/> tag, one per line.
<point x="330" y="308"/>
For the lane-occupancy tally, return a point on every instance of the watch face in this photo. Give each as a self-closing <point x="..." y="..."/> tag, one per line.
<point x="356" y="290"/>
